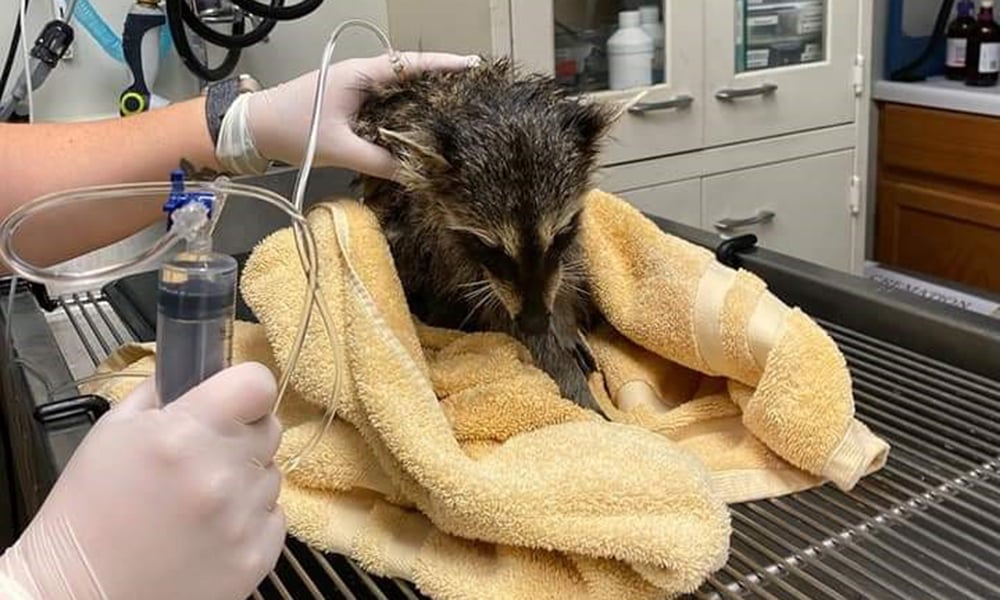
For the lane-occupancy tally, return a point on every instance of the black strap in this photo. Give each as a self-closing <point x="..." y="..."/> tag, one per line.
<point x="219" y="98"/>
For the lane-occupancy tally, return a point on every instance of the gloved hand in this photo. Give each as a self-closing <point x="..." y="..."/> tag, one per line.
<point x="278" y="119"/>
<point x="165" y="503"/>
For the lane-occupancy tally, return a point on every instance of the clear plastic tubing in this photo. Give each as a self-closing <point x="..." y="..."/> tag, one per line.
<point x="195" y="308"/>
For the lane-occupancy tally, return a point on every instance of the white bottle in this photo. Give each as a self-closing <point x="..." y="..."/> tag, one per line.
<point x="630" y="54"/>
<point x="650" y="19"/>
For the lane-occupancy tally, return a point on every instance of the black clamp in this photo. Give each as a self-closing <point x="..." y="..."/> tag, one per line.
<point x="729" y="250"/>
<point x="42" y="297"/>
<point x="136" y="97"/>
<point x="52" y="43"/>
<point x="59" y="410"/>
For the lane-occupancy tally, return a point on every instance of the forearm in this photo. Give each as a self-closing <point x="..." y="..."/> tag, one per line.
<point x="44" y="158"/>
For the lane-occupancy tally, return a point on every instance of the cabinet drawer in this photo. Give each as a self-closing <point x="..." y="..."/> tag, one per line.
<point x="809" y="198"/>
<point x="952" y="145"/>
<point x="680" y="201"/>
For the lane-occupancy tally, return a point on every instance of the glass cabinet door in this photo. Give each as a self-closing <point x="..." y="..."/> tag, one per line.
<point x="774" y="67"/>
<point x="645" y="53"/>
<point x="778" y="33"/>
<point x="602" y="45"/>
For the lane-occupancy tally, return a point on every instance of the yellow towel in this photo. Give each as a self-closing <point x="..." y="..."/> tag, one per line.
<point x="454" y="463"/>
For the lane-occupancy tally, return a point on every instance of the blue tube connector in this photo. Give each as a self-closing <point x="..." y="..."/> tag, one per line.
<point x="179" y="196"/>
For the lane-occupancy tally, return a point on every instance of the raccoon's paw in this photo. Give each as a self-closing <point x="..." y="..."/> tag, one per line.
<point x="562" y="362"/>
<point x="576" y="389"/>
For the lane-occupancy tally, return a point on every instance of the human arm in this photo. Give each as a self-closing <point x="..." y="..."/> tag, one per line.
<point x="44" y="158"/>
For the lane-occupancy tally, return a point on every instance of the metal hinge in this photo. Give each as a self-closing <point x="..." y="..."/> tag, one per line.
<point x="854" y="204"/>
<point x="859" y="75"/>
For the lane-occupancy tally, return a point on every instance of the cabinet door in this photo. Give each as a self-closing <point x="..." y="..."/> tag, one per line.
<point x="680" y="201"/>
<point x="570" y="38"/>
<point x="774" y="67"/>
<point x="800" y="207"/>
<point x="939" y="194"/>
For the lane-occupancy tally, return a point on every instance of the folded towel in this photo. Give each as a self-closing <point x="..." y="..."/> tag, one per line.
<point x="455" y="464"/>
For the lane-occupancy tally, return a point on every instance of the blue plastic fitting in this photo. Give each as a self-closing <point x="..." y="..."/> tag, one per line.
<point x="179" y="197"/>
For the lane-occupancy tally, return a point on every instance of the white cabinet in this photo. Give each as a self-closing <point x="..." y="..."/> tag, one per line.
<point x="679" y="201"/>
<point x="800" y="207"/>
<point x="732" y="70"/>
<point x="568" y="38"/>
<point x="791" y="68"/>
<point x="751" y="104"/>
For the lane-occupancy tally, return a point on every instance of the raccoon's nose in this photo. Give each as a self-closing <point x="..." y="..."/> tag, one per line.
<point x="533" y="323"/>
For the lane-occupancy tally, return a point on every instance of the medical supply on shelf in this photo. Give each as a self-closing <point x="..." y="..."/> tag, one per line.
<point x="653" y="26"/>
<point x="982" y="56"/>
<point x="630" y="53"/>
<point x="958" y="39"/>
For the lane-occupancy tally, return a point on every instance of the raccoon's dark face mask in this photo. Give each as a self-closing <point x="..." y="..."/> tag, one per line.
<point x="525" y="267"/>
<point x="510" y="196"/>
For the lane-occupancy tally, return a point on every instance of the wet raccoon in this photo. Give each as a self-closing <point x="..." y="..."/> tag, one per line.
<point x="484" y="228"/>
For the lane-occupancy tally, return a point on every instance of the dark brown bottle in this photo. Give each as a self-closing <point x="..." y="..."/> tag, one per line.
<point x="982" y="58"/>
<point x="958" y="40"/>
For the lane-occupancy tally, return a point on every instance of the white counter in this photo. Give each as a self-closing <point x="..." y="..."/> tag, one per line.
<point x="938" y="92"/>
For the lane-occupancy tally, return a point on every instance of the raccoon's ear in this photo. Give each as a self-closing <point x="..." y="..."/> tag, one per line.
<point x="419" y="157"/>
<point x="591" y="121"/>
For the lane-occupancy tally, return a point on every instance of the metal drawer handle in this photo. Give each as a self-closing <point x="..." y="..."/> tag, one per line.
<point x="764" y="216"/>
<point x="677" y="102"/>
<point x="765" y="89"/>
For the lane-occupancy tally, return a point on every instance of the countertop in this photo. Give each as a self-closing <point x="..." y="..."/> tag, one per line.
<point x="941" y="93"/>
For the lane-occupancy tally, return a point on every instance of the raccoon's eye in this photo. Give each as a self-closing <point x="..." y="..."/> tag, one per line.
<point x="492" y="258"/>
<point x="499" y="264"/>
<point x="562" y="241"/>
<point x="563" y="238"/>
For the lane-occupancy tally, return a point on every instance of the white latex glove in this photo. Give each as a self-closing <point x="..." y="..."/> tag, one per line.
<point x="165" y="503"/>
<point x="279" y="117"/>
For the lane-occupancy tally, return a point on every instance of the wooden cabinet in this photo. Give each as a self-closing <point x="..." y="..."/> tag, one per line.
<point x="939" y="194"/>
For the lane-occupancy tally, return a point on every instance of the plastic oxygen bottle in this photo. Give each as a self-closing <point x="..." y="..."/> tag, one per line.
<point x="630" y="53"/>
<point x="195" y="308"/>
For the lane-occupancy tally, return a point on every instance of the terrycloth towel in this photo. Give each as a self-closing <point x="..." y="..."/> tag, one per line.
<point x="454" y="463"/>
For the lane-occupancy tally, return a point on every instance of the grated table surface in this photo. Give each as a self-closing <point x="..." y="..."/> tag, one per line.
<point x="926" y="526"/>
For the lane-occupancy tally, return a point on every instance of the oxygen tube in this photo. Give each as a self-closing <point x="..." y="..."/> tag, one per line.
<point x="198" y="282"/>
